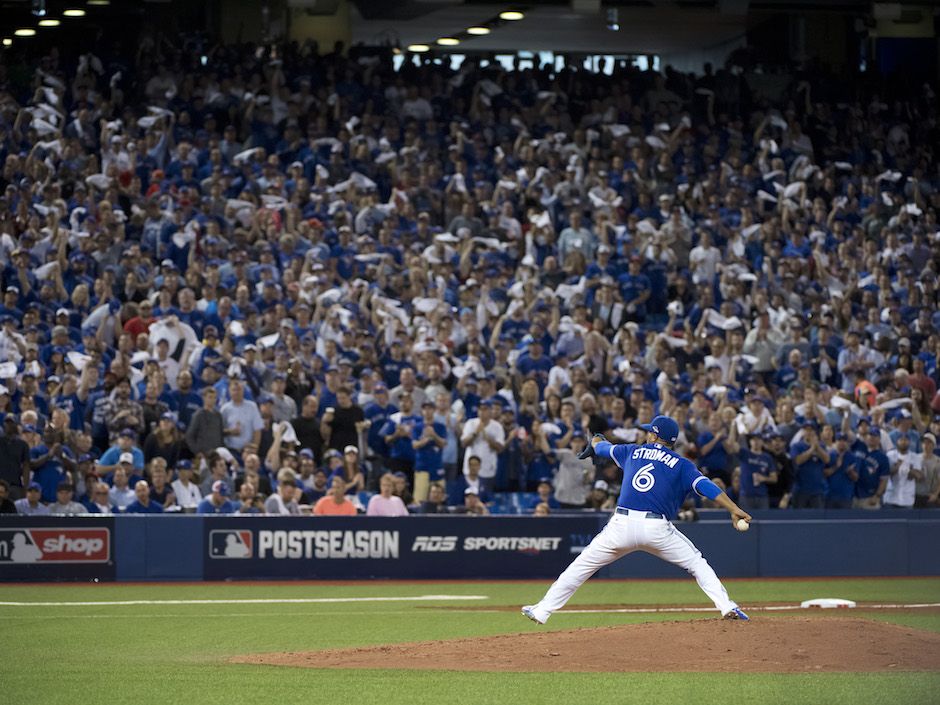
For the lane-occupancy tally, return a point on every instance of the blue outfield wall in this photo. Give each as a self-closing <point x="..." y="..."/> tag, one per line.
<point x="779" y="544"/>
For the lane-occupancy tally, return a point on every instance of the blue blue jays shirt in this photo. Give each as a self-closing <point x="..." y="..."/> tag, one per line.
<point x="751" y="463"/>
<point x="655" y="479"/>
<point x="378" y="415"/>
<point x="839" y="485"/>
<point x="873" y="466"/>
<point x="429" y="456"/>
<point x="809" y="475"/>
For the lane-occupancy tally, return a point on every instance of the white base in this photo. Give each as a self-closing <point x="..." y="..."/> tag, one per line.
<point x="827" y="603"/>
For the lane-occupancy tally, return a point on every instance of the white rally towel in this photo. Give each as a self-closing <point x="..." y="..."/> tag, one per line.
<point x="180" y="336"/>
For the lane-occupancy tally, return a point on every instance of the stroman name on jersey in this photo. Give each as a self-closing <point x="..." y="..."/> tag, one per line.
<point x="662" y="456"/>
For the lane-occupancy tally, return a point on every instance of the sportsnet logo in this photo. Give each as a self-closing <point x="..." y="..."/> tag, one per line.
<point x="434" y="544"/>
<point x="55" y="545"/>
<point x="230" y="544"/>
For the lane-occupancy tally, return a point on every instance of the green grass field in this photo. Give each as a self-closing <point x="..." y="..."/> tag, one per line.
<point x="168" y="653"/>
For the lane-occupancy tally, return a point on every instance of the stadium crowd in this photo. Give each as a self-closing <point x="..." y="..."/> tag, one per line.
<point x="276" y="279"/>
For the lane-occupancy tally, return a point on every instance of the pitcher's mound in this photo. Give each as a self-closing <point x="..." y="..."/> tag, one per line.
<point x="778" y="645"/>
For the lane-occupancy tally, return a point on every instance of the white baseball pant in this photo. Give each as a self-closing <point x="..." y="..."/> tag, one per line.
<point x="625" y="534"/>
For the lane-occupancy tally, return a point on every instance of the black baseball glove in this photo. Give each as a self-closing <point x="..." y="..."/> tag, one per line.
<point x="589" y="448"/>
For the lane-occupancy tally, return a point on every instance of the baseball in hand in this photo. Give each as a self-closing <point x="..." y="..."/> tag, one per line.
<point x="742" y="525"/>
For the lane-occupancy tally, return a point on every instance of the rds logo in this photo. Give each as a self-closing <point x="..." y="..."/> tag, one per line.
<point x="434" y="544"/>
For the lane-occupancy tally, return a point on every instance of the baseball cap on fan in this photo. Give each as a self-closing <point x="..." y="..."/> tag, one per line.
<point x="664" y="427"/>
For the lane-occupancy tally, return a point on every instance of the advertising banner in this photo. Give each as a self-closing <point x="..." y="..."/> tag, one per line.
<point x="56" y="548"/>
<point x="413" y="547"/>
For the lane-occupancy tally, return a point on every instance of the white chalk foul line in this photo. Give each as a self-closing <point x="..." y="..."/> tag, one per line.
<point x="763" y="608"/>
<point x="272" y="601"/>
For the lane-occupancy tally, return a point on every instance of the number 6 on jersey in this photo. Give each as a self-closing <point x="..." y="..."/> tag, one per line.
<point x="643" y="481"/>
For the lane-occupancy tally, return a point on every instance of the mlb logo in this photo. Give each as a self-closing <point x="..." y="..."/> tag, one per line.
<point x="230" y="544"/>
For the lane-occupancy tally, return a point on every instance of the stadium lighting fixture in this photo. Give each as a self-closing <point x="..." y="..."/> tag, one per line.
<point x="418" y="48"/>
<point x="25" y="32"/>
<point x="478" y="31"/>
<point x="99" y="2"/>
<point x="7" y="42"/>
<point x="74" y="13"/>
<point x="448" y="41"/>
<point x="511" y="15"/>
<point x="49" y="23"/>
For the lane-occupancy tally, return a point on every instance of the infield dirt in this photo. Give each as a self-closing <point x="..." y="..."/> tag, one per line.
<point x="768" y="645"/>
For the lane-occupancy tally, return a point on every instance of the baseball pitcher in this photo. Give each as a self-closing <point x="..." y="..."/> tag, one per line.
<point x="655" y="481"/>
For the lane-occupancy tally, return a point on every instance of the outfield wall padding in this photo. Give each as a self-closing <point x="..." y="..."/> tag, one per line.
<point x="780" y="544"/>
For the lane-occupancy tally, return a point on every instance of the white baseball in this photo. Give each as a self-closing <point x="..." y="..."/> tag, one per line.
<point x="741" y="525"/>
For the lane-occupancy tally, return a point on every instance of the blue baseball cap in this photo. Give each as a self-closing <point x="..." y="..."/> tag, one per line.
<point x="184" y="465"/>
<point x="664" y="427"/>
<point x="34" y="486"/>
<point x="221" y="487"/>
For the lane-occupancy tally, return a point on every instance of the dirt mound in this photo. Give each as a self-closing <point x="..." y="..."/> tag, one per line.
<point x="780" y="645"/>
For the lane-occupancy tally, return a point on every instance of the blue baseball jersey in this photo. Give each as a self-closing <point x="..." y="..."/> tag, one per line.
<point x="839" y="485"/>
<point x="755" y="463"/>
<point x="655" y="479"/>
<point x="872" y="467"/>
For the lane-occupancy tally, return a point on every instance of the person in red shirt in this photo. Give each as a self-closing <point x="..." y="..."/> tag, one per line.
<point x="141" y="322"/>
<point x="920" y="380"/>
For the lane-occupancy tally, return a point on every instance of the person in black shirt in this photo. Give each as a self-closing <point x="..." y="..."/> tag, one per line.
<point x="160" y="490"/>
<point x="779" y="492"/>
<point x="436" y="503"/>
<point x="340" y="428"/>
<point x="14" y="459"/>
<point x="307" y="428"/>
<point x="6" y="504"/>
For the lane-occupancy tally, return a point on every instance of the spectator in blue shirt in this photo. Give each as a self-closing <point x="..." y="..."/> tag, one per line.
<point x="635" y="288"/>
<point x="841" y="475"/>
<point x="184" y="400"/>
<point x="111" y="458"/>
<point x="377" y="413"/>
<point x="544" y="495"/>
<point x="534" y="362"/>
<point x="397" y="434"/>
<point x="218" y="501"/>
<point x="809" y="459"/>
<point x="46" y="463"/>
<point x="428" y="440"/>
<point x="143" y="504"/>
<point x="873" y="473"/>
<point x="757" y="471"/>
<point x="716" y="445"/>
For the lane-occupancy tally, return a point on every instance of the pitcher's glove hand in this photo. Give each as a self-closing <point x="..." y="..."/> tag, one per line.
<point x="586" y="453"/>
<point x="589" y="448"/>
